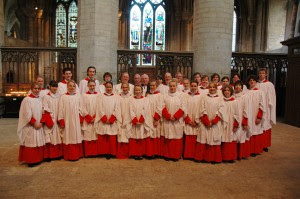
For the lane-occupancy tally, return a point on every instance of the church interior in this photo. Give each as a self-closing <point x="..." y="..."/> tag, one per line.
<point x="42" y="37"/>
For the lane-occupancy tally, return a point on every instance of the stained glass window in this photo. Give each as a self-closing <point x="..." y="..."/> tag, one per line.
<point x="147" y="27"/>
<point x="61" y="24"/>
<point x="72" y="25"/>
<point x="66" y="23"/>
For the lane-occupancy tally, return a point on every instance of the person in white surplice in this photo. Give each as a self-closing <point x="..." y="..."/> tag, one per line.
<point x="270" y="105"/>
<point x="62" y="86"/>
<point x="156" y="102"/>
<point x="83" y="85"/>
<point x="139" y="137"/>
<point x="51" y="128"/>
<point x="243" y="137"/>
<point x="229" y="136"/>
<point x="30" y="131"/>
<point x="123" y="146"/>
<point x="173" y="122"/>
<point x="69" y="118"/>
<point x="256" y="116"/>
<point x="213" y="117"/>
<point x="108" y="121"/>
<point x="191" y="128"/>
<point x="88" y="110"/>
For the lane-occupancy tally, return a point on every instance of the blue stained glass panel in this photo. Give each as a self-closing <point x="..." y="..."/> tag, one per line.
<point x="61" y="24"/>
<point x="160" y="24"/>
<point x="147" y="32"/>
<point x="72" y="31"/>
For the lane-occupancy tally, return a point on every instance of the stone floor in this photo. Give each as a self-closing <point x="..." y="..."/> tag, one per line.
<point x="275" y="174"/>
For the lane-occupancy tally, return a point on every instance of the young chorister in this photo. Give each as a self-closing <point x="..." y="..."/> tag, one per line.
<point x="243" y="137"/>
<point x="156" y="102"/>
<point x="69" y="117"/>
<point x="256" y="113"/>
<point x="191" y="129"/>
<point x="49" y="119"/>
<point x="229" y="136"/>
<point x="108" y="120"/>
<point x="83" y="85"/>
<point x="186" y="85"/>
<point x="216" y="79"/>
<point x="213" y="117"/>
<point x="107" y="77"/>
<point x="173" y="121"/>
<point x="139" y="142"/>
<point x="62" y="86"/>
<point x="88" y="111"/>
<point x="270" y="106"/>
<point x="30" y="131"/>
<point x="125" y="98"/>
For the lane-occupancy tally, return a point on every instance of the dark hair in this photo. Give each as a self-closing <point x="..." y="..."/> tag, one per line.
<point x="137" y="85"/>
<point x="213" y="75"/>
<point x="263" y="69"/>
<point x="230" y="89"/>
<point x="53" y="83"/>
<point x="107" y="74"/>
<point x="239" y="82"/>
<point x="194" y="81"/>
<point x="108" y="82"/>
<point x="67" y="69"/>
<point x="93" y="67"/>
<point x="225" y="77"/>
<point x="159" y="77"/>
<point x="253" y="77"/>
<point x="33" y="84"/>
<point x="236" y="74"/>
<point x="91" y="80"/>
<point x="204" y="76"/>
<point x="196" y="73"/>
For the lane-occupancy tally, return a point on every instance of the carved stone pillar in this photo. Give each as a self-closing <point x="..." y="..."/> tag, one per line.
<point x="212" y="36"/>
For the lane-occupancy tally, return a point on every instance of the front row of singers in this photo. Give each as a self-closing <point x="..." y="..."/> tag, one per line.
<point x="208" y="125"/>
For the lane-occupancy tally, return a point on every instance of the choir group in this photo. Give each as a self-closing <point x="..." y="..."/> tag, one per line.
<point x="202" y="120"/>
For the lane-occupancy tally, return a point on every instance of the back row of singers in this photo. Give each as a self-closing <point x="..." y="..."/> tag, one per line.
<point x="208" y="125"/>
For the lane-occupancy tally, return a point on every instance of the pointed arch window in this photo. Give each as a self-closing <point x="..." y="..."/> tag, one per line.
<point x="66" y="23"/>
<point x="234" y="26"/>
<point x="147" y="28"/>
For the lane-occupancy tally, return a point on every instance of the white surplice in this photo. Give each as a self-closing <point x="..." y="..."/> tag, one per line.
<point x="83" y="86"/>
<point x="124" y="133"/>
<point x="28" y="135"/>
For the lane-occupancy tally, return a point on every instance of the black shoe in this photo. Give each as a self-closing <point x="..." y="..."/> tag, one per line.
<point x="266" y="150"/>
<point x="253" y="155"/>
<point x="174" y="160"/>
<point x="167" y="159"/>
<point x="231" y="161"/>
<point x="34" y="164"/>
<point x="107" y="157"/>
<point x="138" y="158"/>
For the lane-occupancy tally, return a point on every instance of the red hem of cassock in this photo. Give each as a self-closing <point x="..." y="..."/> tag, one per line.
<point x="107" y="145"/>
<point x="213" y="153"/>
<point x="229" y="151"/>
<point x="54" y="151"/>
<point x="190" y="146"/>
<point x="256" y="144"/>
<point x="243" y="150"/>
<point x="151" y="146"/>
<point x="162" y="145"/>
<point x="90" y="148"/>
<point x="137" y="147"/>
<point x="199" y="151"/>
<point x="156" y="145"/>
<point x="123" y="150"/>
<point x="72" y="151"/>
<point x="173" y="148"/>
<point x="31" y="155"/>
<point x="267" y="138"/>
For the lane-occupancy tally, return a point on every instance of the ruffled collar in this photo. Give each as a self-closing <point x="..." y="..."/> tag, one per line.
<point x="263" y="81"/>
<point x="190" y="93"/>
<point x="174" y="94"/>
<point x="153" y="93"/>
<point x="33" y="96"/>
<point x="107" y="94"/>
<point x="212" y="95"/>
<point x="67" y="93"/>
<point x="53" y="95"/>
<point x="64" y="81"/>
<point x="141" y="97"/>
<point x="125" y="95"/>
<point x="88" y="79"/>
<point x="228" y="99"/>
<point x="91" y="93"/>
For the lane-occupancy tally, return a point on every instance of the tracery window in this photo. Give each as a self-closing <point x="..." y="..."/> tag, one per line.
<point x="147" y="27"/>
<point x="66" y="23"/>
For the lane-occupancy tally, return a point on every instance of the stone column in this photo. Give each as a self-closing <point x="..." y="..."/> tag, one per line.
<point x="97" y="37"/>
<point x="1" y="40"/>
<point x="212" y="36"/>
